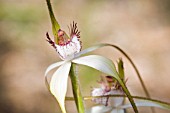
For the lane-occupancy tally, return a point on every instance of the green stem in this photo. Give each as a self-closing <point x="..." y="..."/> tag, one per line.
<point x="55" y="25"/>
<point x="76" y="89"/>
<point x="128" y="95"/>
<point x="137" y="72"/>
<point x="135" y="68"/>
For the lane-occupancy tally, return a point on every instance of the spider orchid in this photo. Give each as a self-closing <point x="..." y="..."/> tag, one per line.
<point x="69" y="50"/>
<point x="67" y="46"/>
<point x="109" y="86"/>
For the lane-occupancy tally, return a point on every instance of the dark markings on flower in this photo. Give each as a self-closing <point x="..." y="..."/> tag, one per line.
<point x="107" y="100"/>
<point x="63" y="39"/>
<point x="113" y="82"/>
<point x="50" y="41"/>
<point x="109" y="84"/>
<point x="109" y="79"/>
<point x="74" y="30"/>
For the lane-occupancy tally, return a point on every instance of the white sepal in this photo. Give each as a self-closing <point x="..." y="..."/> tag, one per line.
<point x="97" y="62"/>
<point x="58" y="84"/>
<point x="52" y="66"/>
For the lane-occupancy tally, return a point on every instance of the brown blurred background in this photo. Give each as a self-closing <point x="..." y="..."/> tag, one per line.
<point x="141" y="28"/>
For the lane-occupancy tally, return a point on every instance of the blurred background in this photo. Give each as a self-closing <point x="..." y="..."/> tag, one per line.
<point x="141" y="28"/>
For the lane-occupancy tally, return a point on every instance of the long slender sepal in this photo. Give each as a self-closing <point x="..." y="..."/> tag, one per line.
<point x="55" y="25"/>
<point x="58" y="84"/>
<point x="51" y="67"/>
<point x="76" y="89"/>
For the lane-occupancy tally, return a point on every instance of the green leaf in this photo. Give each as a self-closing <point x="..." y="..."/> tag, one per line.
<point x="106" y="66"/>
<point x="55" y="25"/>
<point x="58" y="84"/>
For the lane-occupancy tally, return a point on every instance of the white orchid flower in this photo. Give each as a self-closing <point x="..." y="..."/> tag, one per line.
<point x="109" y="86"/>
<point x="69" y="50"/>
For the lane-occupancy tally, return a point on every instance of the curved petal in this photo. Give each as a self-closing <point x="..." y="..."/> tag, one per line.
<point x="97" y="62"/>
<point x="52" y="66"/>
<point x="58" y="84"/>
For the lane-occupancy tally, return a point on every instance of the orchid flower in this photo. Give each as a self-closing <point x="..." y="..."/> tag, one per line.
<point x="69" y="51"/>
<point x="109" y="86"/>
<point x="68" y="48"/>
<point x="111" y="98"/>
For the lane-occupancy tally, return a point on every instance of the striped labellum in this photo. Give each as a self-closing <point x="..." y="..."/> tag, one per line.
<point x="67" y="46"/>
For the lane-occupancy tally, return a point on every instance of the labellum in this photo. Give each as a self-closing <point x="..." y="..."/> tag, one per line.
<point x="67" y="46"/>
<point x="109" y="86"/>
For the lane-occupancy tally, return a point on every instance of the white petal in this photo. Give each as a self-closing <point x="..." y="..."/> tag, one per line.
<point x="97" y="62"/>
<point x="70" y="49"/>
<point x="58" y="84"/>
<point x="77" y="43"/>
<point x="99" y="109"/>
<point x="116" y="101"/>
<point x="117" y="111"/>
<point x="52" y="66"/>
<point x="111" y="101"/>
<point x="99" y="92"/>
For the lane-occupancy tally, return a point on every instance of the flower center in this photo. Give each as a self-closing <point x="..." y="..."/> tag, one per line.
<point x="68" y="46"/>
<point x="63" y="39"/>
